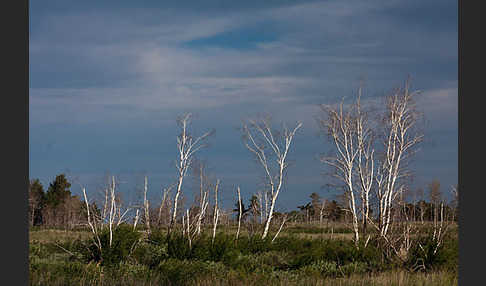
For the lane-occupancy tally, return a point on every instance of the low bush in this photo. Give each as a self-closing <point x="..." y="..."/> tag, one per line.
<point x="124" y="241"/>
<point x="180" y="272"/>
<point x="157" y="260"/>
<point x="150" y="254"/>
<point x="424" y="256"/>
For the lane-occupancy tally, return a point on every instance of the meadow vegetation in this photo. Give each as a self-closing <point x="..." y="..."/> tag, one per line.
<point x="137" y="258"/>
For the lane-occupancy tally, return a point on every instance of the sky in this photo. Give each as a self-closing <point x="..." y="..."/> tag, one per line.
<point x="108" y="79"/>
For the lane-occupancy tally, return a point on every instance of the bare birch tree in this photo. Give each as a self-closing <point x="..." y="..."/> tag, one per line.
<point x="365" y="161"/>
<point x="146" y="206"/>
<point x="189" y="227"/>
<point x="203" y="197"/>
<point x="164" y="203"/>
<point x="400" y="141"/>
<point x="284" y="219"/>
<point x="137" y="217"/>
<point x="216" y="210"/>
<point x="187" y="146"/>
<point x="340" y="125"/>
<point x="454" y="202"/>
<point x="321" y="211"/>
<point x="92" y="224"/>
<point x="97" y="222"/>
<point x="202" y="211"/>
<point x="240" y="213"/>
<point x="258" y="137"/>
<point x="353" y="136"/>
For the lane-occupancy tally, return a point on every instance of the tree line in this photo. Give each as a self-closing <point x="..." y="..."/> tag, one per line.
<point x="58" y="208"/>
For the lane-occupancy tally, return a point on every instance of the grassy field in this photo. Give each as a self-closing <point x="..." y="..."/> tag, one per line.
<point x="53" y="235"/>
<point x="301" y="255"/>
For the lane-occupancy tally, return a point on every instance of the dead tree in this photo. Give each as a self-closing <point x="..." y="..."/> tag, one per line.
<point x="284" y="219"/>
<point x="187" y="146"/>
<point x="455" y="201"/>
<point x="340" y="125"/>
<point x="146" y="206"/>
<point x="240" y="213"/>
<point x="400" y="141"/>
<point x="365" y="160"/>
<point x="321" y="212"/>
<point x="137" y="217"/>
<point x="165" y="195"/>
<point x="259" y="136"/>
<point x="266" y="201"/>
<point x="96" y="223"/>
<point x="92" y="224"/>
<point x="216" y="210"/>
<point x="203" y="197"/>
<point x="111" y="217"/>
<point x="114" y="210"/>
<point x="189" y="227"/>
<point x="204" y="202"/>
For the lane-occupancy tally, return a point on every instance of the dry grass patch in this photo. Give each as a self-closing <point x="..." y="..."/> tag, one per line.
<point x="54" y="235"/>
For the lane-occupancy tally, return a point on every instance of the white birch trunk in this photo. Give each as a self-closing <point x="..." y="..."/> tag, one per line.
<point x="216" y="210"/>
<point x="280" y="152"/>
<point x="187" y="147"/>
<point x="284" y="219"/>
<point x="146" y="206"/>
<point x="136" y="220"/>
<point x="240" y="211"/>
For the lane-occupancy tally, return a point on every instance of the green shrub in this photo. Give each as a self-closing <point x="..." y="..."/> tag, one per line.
<point x="177" y="272"/>
<point x="277" y="259"/>
<point x="356" y="267"/>
<point x="150" y="254"/>
<point x="340" y="251"/>
<point x="221" y="247"/>
<point x="124" y="242"/>
<point x="321" y="267"/>
<point x="178" y="247"/>
<point x="446" y="256"/>
<point x="157" y="236"/>
<point x="253" y="245"/>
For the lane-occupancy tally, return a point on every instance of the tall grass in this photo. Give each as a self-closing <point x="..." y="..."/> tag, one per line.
<point x="291" y="259"/>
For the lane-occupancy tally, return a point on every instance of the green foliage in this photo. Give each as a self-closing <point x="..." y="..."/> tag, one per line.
<point x="321" y="267"/>
<point x="289" y="260"/>
<point x="178" y="247"/>
<point x="150" y="254"/>
<point x="180" y="272"/>
<point x="341" y="251"/>
<point x="124" y="242"/>
<point x="36" y="188"/>
<point x="36" y="202"/>
<point x="58" y="191"/>
<point x="251" y="254"/>
<point x="253" y="245"/>
<point x="424" y="254"/>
